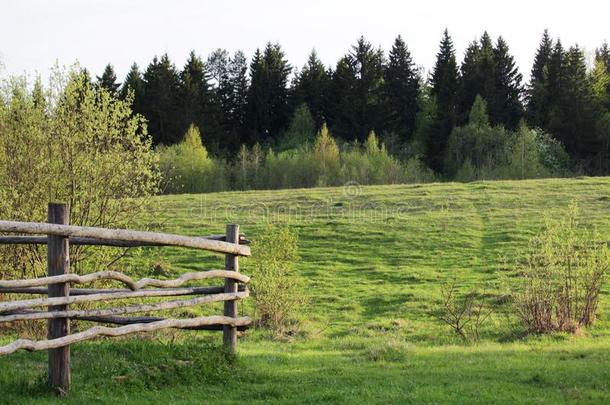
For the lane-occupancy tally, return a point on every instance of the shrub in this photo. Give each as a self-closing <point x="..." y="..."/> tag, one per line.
<point x="562" y="278"/>
<point x="465" y="315"/>
<point x="277" y="291"/>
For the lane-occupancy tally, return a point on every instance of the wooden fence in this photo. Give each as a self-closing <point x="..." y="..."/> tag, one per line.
<point x="59" y="295"/>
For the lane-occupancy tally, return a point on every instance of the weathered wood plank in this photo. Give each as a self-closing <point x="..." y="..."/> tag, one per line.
<point x="123" y="330"/>
<point x="21" y="315"/>
<point x="124" y="235"/>
<point x="90" y="291"/>
<point x="128" y="281"/>
<point x="230" y="307"/>
<point x="58" y="264"/>
<point x="42" y="240"/>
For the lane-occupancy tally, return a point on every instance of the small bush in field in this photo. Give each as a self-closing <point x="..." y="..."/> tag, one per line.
<point x="277" y="291"/>
<point x="561" y="281"/>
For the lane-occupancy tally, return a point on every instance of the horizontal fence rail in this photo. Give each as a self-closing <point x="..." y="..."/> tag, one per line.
<point x="128" y="281"/>
<point x="58" y="235"/>
<point x="43" y="240"/>
<point x="124" y="330"/>
<point x="124" y="235"/>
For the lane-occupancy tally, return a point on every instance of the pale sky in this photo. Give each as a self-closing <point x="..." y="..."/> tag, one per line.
<point x="34" y="34"/>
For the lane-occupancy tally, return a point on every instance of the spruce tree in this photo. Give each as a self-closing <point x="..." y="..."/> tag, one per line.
<point x="505" y="106"/>
<point x="108" y="80"/>
<point x="268" y="108"/>
<point x="538" y="102"/>
<point x="342" y="114"/>
<point x="444" y="87"/>
<point x="161" y="103"/>
<point x="401" y="89"/>
<point x="133" y="83"/>
<point x="367" y="63"/>
<point x="312" y="87"/>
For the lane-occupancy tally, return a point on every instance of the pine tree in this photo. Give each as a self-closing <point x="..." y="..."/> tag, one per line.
<point x="108" y="80"/>
<point x="367" y="63"/>
<point x="342" y="114"/>
<point x="133" y="83"/>
<point x="401" y="88"/>
<point x="312" y="87"/>
<point x="538" y="88"/>
<point x="444" y="86"/>
<point x="160" y="102"/>
<point x="268" y="110"/>
<point x="505" y="107"/>
<point x="195" y="101"/>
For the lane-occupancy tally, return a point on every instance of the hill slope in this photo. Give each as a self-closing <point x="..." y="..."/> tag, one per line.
<point x="374" y="259"/>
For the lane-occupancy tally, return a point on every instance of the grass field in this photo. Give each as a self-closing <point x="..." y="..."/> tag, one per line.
<point x="373" y="259"/>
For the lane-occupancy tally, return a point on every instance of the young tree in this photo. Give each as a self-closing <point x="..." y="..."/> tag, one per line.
<point x="401" y="88"/>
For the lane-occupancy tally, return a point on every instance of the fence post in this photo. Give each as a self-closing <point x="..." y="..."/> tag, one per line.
<point x="58" y="263"/>
<point x="229" y="333"/>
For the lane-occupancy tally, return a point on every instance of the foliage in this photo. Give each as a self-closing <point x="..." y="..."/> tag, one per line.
<point x="187" y="167"/>
<point x="76" y="143"/>
<point x="277" y="290"/>
<point x="561" y="281"/>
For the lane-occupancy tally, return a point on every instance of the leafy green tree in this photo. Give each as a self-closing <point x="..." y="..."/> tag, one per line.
<point x="401" y="88"/>
<point x="77" y="143"/>
<point x="108" y="80"/>
<point x="161" y="101"/>
<point x="444" y="87"/>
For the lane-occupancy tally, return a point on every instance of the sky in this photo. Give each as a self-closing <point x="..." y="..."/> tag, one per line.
<point x="37" y="34"/>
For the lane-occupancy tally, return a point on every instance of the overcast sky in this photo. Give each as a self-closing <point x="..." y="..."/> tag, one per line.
<point x="36" y="34"/>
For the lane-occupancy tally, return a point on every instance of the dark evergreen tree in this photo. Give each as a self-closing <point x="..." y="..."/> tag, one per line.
<point x="444" y="87"/>
<point x="401" y="89"/>
<point x="538" y="102"/>
<point x="477" y="76"/>
<point x="108" y="80"/>
<point x="268" y="110"/>
<point x="505" y="107"/>
<point x="342" y="114"/>
<point x="134" y="83"/>
<point x="197" y="104"/>
<point x="367" y="63"/>
<point x="311" y="87"/>
<point x="575" y="127"/>
<point x="161" y="101"/>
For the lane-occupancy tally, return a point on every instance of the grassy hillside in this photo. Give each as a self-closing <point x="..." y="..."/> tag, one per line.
<point x="373" y="259"/>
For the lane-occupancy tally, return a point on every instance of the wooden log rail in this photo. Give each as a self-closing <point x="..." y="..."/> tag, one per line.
<point x="124" y="235"/>
<point x="57" y="234"/>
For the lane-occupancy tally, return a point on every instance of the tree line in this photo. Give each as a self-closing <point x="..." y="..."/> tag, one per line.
<point x="238" y="103"/>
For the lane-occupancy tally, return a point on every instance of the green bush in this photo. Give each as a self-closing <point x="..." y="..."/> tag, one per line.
<point x="278" y="292"/>
<point x="560" y="283"/>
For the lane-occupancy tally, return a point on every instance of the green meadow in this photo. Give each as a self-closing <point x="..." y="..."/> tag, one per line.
<point x="373" y="260"/>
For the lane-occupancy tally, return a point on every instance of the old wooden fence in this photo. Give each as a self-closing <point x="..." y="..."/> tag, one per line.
<point x="59" y="236"/>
